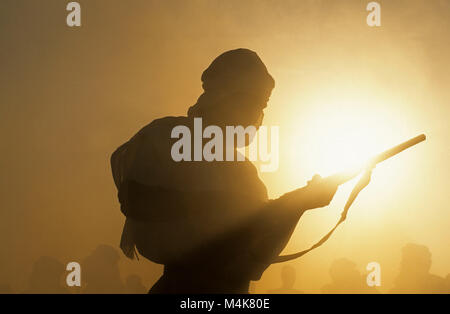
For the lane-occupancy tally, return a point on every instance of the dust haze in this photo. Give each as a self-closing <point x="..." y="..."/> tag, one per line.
<point x="69" y="97"/>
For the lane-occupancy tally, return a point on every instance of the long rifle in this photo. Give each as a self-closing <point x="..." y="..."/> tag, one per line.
<point x="343" y="177"/>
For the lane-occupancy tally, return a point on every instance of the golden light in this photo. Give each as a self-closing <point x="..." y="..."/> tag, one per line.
<point x="343" y="133"/>
<point x="339" y="130"/>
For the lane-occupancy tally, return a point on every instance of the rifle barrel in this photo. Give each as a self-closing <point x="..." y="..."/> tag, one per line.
<point x="397" y="149"/>
<point x="345" y="176"/>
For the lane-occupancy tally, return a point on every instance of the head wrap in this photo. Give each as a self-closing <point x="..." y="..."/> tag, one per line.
<point x="239" y="70"/>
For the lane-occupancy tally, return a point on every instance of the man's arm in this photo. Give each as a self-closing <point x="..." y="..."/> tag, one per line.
<point x="318" y="193"/>
<point x="267" y="233"/>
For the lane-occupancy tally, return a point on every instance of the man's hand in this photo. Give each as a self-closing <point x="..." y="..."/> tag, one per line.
<point x="319" y="192"/>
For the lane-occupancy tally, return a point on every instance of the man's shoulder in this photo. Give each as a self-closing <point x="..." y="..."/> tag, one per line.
<point x="162" y="125"/>
<point x="157" y="132"/>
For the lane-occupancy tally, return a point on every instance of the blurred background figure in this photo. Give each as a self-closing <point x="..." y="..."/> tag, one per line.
<point x="414" y="275"/>
<point x="346" y="279"/>
<point x="100" y="271"/>
<point x="288" y="277"/>
<point x="134" y="285"/>
<point x="47" y="276"/>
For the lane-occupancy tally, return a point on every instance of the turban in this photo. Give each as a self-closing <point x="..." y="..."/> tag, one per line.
<point x="234" y="71"/>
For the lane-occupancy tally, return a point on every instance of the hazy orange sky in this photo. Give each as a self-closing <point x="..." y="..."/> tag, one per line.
<point x="70" y="96"/>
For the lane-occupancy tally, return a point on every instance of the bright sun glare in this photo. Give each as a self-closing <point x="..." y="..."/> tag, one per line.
<point x="342" y="135"/>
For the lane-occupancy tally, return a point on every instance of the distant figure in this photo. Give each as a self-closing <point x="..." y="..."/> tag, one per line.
<point x="100" y="272"/>
<point x="47" y="277"/>
<point x="346" y="279"/>
<point x="288" y="276"/>
<point x="134" y="285"/>
<point x="210" y="223"/>
<point x="414" y="275"/>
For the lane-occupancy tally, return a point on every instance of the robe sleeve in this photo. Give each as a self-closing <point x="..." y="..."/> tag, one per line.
<point x="250" y="249"/>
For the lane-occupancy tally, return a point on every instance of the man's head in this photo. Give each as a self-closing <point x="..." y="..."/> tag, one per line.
<point x="416" y="258"/>
<point x="344" y="271"/>
<point x="288" y="275"/>
<point x="237" y="87"/>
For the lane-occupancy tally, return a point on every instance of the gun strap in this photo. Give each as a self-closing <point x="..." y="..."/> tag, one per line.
<point x="358" y="188"/>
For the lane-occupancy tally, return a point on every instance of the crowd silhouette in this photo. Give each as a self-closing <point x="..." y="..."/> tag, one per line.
<point x="101" y="274"/>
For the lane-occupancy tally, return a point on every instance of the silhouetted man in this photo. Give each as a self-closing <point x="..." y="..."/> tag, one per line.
<point x="414" y="275"/>
<point x="100" y="271"/>
<point x="346" y="279"/>
<point x="210" y="223"/>
<point x="47" y="277"/>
